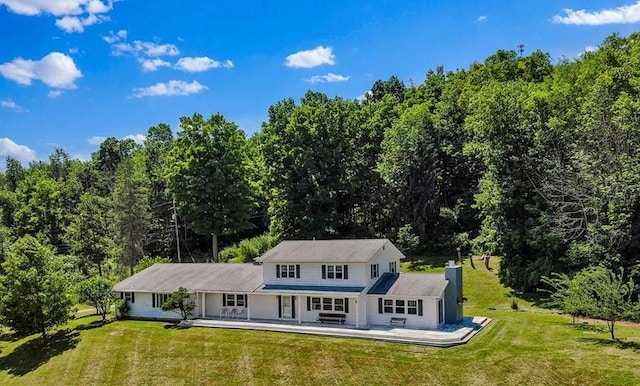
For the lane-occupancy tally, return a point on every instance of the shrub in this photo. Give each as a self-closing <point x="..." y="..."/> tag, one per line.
<point x="123" y="308"/>
<point x="514" y="304"/>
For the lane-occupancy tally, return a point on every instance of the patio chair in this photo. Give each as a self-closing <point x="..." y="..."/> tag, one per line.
<point x="224" y="312"/>
<point x="233" y="313"/>
<point x="241" y="313"/>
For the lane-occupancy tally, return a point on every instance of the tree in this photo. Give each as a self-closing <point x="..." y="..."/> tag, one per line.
<point x="97" y="291"/>
<point x="147" y="262"/>
<point x="33" y="290"/>
<point x="89" y="234"/>
<point x="595" y="292"/>
<point x="180" y="302"/>
<point x="208" y="175"/>
<point x="131" y="209"/>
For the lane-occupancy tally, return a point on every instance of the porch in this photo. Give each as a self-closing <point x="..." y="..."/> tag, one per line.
<point x="449" y="335"/>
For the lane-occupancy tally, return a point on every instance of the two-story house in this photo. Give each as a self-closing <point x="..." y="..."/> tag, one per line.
<point x="355" y="282"/>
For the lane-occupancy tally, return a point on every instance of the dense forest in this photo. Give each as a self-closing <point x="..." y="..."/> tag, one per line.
<point x="517" y="156"/>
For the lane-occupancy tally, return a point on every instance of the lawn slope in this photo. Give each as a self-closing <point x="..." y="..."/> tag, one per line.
<point x="532" y="346"/>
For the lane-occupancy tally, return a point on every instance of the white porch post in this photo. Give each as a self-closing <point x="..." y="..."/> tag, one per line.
<point x="299" y="309"/>
<point x="357" y="313"/>
<point x="249" y="301"/>
<point x="204" y="304"/>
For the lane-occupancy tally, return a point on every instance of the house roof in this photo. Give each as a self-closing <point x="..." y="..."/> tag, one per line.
<point x="325" y="251"/>
<point x="308" y="288"/>
<point x="194" y="277"/>
<point x="409" y="284"/>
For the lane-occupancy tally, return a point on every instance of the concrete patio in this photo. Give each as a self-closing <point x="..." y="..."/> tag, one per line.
<point x="449" y="335"/>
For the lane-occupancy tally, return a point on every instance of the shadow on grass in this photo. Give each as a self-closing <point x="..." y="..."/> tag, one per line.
<point x="175" y="326"/>
<point x="427" y="263"/>
<point x="621" y="344"/>
<point x="32" y="354"/>
<point x="94" y="324"/>
<point x="536" y="298"/>
<point x="589" y="327"/>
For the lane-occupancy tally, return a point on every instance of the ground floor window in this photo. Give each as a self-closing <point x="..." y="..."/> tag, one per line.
<point x="234" y="300"/>
<point x="328" y="304"/>
<point x="158" y="299"/>
<point x="440" y="316"/>
<point x="128" y="297"/>
<point x="400" y="306"/>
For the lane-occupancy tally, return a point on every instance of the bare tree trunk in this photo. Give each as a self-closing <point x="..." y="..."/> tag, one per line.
<point x="611" y="325"/>
<point x="214" y="247"/>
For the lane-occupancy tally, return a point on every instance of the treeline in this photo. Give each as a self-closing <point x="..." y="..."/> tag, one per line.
<point x="514" y="156"/>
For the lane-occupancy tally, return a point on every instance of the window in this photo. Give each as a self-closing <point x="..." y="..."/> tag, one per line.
<point x="399" y="306"/>
<point x="234" y="300"/>
<point x="440" y="318"/>
<point x="328" y="304"/>
<point x="412" y="307"/>
<point x="333" y="271"/>
<point x="375" y="268"/>
<point x="393" y="267"/>
<point x="128" y="296"/>
<point x="158" y="299"/>
<point x="288" y="271"/>
<point x="402" y="306"/>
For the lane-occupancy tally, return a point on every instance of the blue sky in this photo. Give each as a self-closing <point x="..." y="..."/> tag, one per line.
<point x="73" y="72"/>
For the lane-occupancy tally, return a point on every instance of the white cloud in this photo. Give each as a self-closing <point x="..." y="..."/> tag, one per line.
<point x="481" y="18"/>
<point x="20" y="152"/>
<point x="329" y="78"/>
<point x="55" y="70"/>
<point x="311" y="58"/>
<point x="115" y="37"/>
<point x="96" y="140"/>
<point x="11" y="105"/>
<point x="137" y="138"/>
<point x="54" y="93"/>
<point x="149" y="49"/>
<point x="73" y="50"/>
<point x="200" y="64"/>
<point x="149" y="65"/>
<point x="590" y="49"/>
<point x="620" y="15"/>
<point x="172" y="87"/>
<point x="75" y="14"/>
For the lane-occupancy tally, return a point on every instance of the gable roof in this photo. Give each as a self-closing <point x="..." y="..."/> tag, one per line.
<point x="194" y="277"/>
<point x="409" y="284"/>
<point x="326" y="251"/>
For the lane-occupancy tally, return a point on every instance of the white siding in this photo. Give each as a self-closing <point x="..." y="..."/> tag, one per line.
<point x="428" y="320"/>
<point x="263" y="306"/>
<point x="311" y="274"/>
<point x="382" y="258"/>
<point x="142" y="307"/>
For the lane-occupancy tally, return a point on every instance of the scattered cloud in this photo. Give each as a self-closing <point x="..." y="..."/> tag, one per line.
<point x="363" y="97"/>
<point x="328" y="78"/>
<point x="54" y="93"/>
<point x="200" y="64"/>
<point x="55" y="70"/>
<point x="172" y="87"/>
<point x="148" y="49"/>
<point x="621" y="15"/>
<point x="114" y="37"/>
<point x="72" y="15"/>
<point x="481" y="18"/>
<point x="149" y="65"/>
<point x="73" y="50"/>
<point x="137" y="138"/>
<point x="96" y="140"/>
<point x="311" y="58"/>
<point x="20" y="152"/>
<point x="590" y="49"/>
<point x="11" y="105"/>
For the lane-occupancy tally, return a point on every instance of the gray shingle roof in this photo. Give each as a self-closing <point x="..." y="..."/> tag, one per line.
<point x="195" y="277"/>
<point x="409" y="284"/>
<point x="325" y="251"/>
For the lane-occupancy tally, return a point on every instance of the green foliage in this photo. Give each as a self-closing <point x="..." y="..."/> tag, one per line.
<point x="97" y="291"/>
<point x="33" y="290"/>
<point x="248" y="249"/>
<point x="594" y="292"/>
<point x="180" y="302"/>
<point x="147" y="262"/>
<point x="122" y="308"/>
<point x="406" y="240"/>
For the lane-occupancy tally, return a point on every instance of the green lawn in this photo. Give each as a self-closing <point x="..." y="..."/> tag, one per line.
<point x="533" y="346"/>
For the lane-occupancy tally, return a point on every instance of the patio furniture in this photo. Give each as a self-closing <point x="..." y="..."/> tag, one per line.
<point x="224" y="312"/>
<point x="234" y="311"/>
<point x="398" y="322"/>
<point x="324" y="317"/>
<point x="241" y="313"/>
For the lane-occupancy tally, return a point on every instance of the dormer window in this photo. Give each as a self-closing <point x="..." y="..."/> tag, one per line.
<point x="375" y="270"/>
<point x="291" y="271"/>
<point x="393" y="267"/>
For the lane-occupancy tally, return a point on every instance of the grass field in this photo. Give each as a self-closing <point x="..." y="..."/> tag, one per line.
<point x="532" y="346"/>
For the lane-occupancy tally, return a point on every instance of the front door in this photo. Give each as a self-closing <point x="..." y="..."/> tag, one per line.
<point x="287" y="307"/>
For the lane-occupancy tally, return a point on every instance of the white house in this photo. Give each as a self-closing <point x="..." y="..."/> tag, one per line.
<point x="352" y="282"/>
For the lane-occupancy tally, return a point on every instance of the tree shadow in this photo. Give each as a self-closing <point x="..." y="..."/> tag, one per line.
<point x="430" y="263"/>
<point x="175" y="326"/>
<point x="34" y="353"/>
<point x="94" y="324"/>
<point x="536" y="298"/>
<point x="618" y="343"/>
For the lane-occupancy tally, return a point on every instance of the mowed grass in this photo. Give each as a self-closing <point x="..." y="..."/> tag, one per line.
<point x="532" y="346"/>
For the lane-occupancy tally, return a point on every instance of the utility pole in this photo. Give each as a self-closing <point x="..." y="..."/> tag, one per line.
<point x="521" y="49"/>
<point x="174" y="217"/>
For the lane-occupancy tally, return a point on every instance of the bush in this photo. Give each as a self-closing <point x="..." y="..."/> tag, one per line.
<point x="248" y="249"/>
<point x="514" y="304"/>
<point x="147" y="262"/>
<point x="123" y="308"/>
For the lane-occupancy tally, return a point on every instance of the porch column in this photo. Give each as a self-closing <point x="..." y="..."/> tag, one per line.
<point x="357" y="313"/>
<point x="299" y="298"/>
<point x="249" y="302"/>
<point x="204" y="304"/>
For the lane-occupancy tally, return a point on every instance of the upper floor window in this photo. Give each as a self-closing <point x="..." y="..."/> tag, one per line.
<point x="334" y="271"/>
<point x="393" y="266"/>
<point x="288" y="271"/>
<point x="375" y="270"/>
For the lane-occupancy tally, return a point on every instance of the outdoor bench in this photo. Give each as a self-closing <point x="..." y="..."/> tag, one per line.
<point x="331" y="318"/>
<point x="399" y="322"/>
